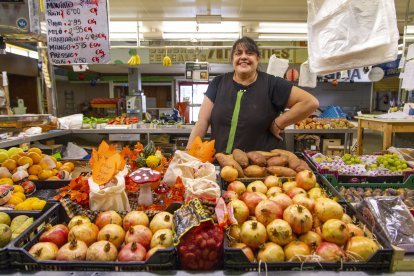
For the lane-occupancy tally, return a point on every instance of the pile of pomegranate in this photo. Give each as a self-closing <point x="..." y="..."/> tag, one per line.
<point x="111" y="238"/>
<point x="294" y="221"/>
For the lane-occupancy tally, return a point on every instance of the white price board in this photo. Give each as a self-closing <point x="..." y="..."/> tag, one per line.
<point x="77" y="31"/>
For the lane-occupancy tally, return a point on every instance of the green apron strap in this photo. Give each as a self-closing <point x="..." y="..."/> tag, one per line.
<point x="234" y="121"/>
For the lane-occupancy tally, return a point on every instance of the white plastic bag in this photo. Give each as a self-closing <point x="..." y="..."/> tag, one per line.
<point x="277" y="66"/>
<point x="71" y="122"/>
<point x="306" y="77"/>
<point x="347" y="34"/>
<point x="110" y="198"/>
<point x="73" y="151"/>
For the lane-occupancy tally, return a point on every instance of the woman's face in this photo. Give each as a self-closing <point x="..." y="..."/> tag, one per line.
<point x="245" y="61"/>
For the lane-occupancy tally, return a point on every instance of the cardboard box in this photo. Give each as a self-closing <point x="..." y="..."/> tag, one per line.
<point x="329" y="142"/>
<point x="335" y="151"/>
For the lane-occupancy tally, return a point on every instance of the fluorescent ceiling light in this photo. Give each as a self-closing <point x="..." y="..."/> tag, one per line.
<point x="190" y="36"/>
<point x="191" y="26"/>
<point x="124" y="26"/>
<point x="410" y="29"/>
<point x="118" y="36"/>
<point x="283" y="28"/>
<point x="284" y="37"/>
<point x="409" y="37"/>
<point x="201" y="19"/>
<point x="10" y="48"/>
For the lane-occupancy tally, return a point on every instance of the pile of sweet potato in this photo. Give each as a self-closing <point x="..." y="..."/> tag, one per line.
<point x="262" y="163"/>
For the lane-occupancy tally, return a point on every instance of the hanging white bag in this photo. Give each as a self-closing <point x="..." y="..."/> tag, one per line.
<point x="348" y="34"/>
<point x="112" y="197"/>
<point x="306" y="77"/>
<point x="277" y="66"/>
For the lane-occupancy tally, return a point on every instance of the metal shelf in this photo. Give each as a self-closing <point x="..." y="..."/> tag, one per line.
<point x="37" y="137"/>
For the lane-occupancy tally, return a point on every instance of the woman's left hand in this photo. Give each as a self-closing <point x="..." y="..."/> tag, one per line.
<point x="276" y="131"/>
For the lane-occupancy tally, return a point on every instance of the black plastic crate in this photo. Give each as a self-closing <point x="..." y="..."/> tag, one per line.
<point x="163" y="259"/>
<point x="4" y="252"/>
<point x="381" y="261"/>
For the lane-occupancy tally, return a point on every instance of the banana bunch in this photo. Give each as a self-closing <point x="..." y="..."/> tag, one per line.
<point x="134" y="60"/>
<point x="166" y="61"/>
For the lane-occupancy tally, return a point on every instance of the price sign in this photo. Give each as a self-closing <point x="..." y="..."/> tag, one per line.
<point x="77" y="31"/>
<point x="196" y="71"/>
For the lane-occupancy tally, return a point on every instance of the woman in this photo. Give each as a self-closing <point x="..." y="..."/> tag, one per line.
<point x="243" y="106"/>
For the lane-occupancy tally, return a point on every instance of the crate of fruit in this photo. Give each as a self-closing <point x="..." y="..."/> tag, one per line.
<point x="100" y="246"/>
<point x="12" y="225"/>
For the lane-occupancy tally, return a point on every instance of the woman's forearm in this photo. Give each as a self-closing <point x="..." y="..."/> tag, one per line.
<point x="296" y="113"/>
<point x="200" y="129"/>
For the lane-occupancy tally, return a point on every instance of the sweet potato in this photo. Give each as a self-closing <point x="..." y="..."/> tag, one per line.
<point x="293" y="162"/>
<point x="268" y="154"/>
<point x="277" y="161"/>
<point x="303" y="166"/>
<point x="255" y="171"/>
<point x="284" y="152"/>
<point x="256" y="158"/>
<point x="281" y="171"/>
<point x="241" y="158"/>
<point x="227" y="160"/>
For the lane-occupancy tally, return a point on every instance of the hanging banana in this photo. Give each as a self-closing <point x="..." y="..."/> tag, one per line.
<point x="166" y="61"/>
<point x="134" y="60"/>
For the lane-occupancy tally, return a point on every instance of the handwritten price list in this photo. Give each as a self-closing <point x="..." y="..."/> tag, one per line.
<point x="77" y="31"/>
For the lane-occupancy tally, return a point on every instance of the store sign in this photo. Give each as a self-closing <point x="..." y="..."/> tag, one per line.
<point x="390" y="68"/>
<point x="77" y="31"/>
<point x="196" y="71"/>
<point x="354" y="75"/>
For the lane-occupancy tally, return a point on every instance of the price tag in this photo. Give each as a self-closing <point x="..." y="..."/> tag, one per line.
<point x="77" y="31"/>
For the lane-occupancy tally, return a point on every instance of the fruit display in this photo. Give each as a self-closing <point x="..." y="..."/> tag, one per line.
<point x="14" y="197"/>
<point x="110" y="238"/>
<point x="357" y="194"/>
<point x="11" y="228"/>
<point x="295" y="221"/>
<point x="366" y="165"/>
<point x="323" y="123"/>
<point x="255" y="164"/>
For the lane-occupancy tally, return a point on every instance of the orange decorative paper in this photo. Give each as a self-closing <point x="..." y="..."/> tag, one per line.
<point x="106" y="162"/>
<point x="202" y="150"/>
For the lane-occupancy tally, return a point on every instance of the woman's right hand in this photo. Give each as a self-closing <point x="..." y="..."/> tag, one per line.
<point x="276" y="130"/>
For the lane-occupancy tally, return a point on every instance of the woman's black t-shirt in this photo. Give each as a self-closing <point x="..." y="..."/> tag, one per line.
<point x="261" y="102"/>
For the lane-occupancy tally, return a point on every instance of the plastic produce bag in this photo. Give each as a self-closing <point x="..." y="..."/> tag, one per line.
<point x="347" y="34"/>
<point x="73" y="151"/>
<point x="112" y="197"/>
<point x="71" y="122"/>
<point x="405" y="153"/>
<point x="306" y="77"/>
<point x="277" y="66"/>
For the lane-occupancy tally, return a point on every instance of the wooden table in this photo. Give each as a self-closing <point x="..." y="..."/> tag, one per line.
<point x="387" y="126"/>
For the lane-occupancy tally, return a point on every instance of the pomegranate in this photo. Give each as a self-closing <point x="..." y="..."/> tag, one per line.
<point x="72" y="251"/>
<point x="140" y="234"/>
<point x="228" y="195"/>
<point x="316" y="193"/>
<point x="163" y="237"/>
<point x="312" y="239"/>
<point x="326" y="208"/>
<point x="44" y="251"/>
<point x="268" y="210"/>
<point x="108" y="217"/>
<point x="253" y="234"/>
<point x="354" y="230"/>
<point x="252" y="199"/>
<point x="361" y="248"/>
<point x="229" y="173"/>
<point x="76" y="220"/>
<point x="336" y="231"/>
<point x="279" y="231"/>
<point x="306" y="179"/>
<point x="295" y="191"/>
<point x="271" y="252"/>
<point x="132" y="252"/>
<point x="161" y="220"/>
<point x="303" y="200"/>
<point x="57" y="234"/>
<point x="296" y="251"/>
<point x="299" y="218"/>
<point x="257" y="186"/>
<point x="233" y="232"/>
<point x="86" y="232"/>
<point x="346" y="218"/>
<point x="135" y="218"/>
<point x="237" y="186"/>
<point x="272" y="181"/>
<point x="330" y="252"/>
<point x="288" y="185"/>
<point x="113" y="233"/>
<point x="273" y="191"/>
<point x="246" y="250"/>
<point x="152" y="251"/>
<point x="283" y="200"/>
<point x="240" y="210"/>
<point x="102" y="251"/>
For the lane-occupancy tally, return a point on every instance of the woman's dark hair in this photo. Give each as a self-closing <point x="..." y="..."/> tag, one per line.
<point x="247" y="43"/>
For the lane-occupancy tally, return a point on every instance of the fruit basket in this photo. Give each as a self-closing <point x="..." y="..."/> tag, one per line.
<point x="162" y="259"/>
<point x="4" y="252"/>
<point x="235" y="259"/>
